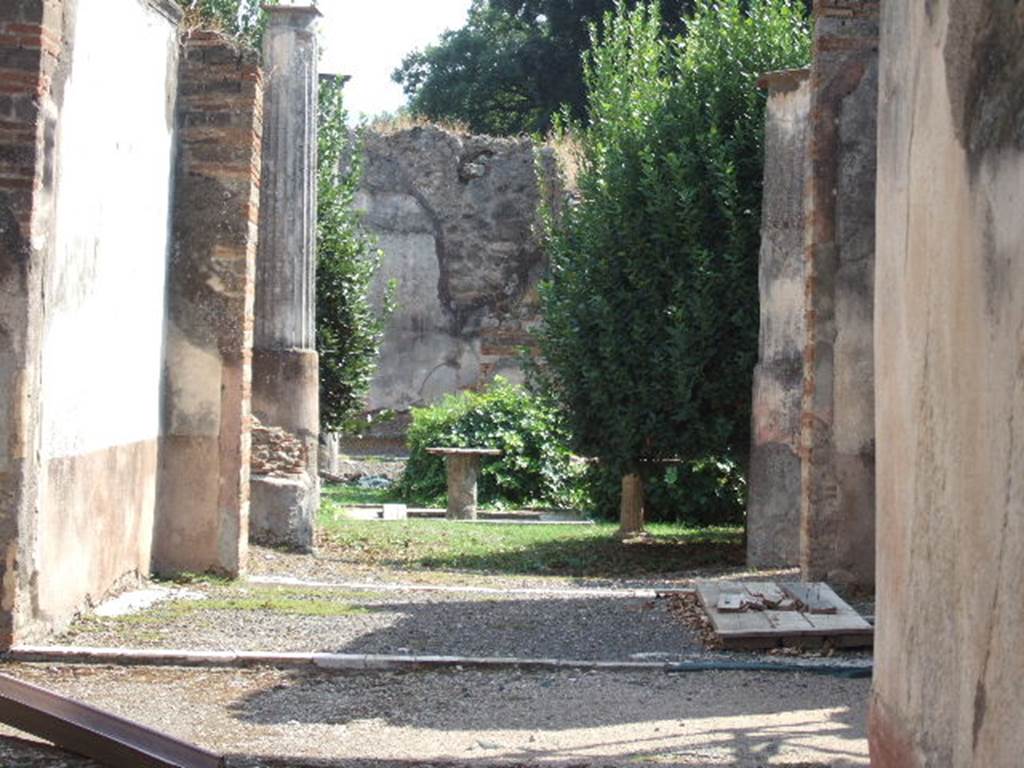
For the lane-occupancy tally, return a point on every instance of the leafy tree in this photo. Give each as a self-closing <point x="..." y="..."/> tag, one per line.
<point x="511" y="67"/>
<point x="515" y="63"/>
<point x="348" y="330"/>
<point x="651" y="310"/>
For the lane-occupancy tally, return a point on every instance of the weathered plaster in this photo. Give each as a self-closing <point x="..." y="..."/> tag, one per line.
<point x="203" y="505"/>
<point x="773" y="509"/>
<point x="950" y="406"/>
<point x="285" y="366"/>
<point x="456" y="219"/>
<point x="83" y="326"/>
<point x="838" y="481"/>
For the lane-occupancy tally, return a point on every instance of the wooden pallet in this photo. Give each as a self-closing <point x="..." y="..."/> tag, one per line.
<point x="759" y="615"/>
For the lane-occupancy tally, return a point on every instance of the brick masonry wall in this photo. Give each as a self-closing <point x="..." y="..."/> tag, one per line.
<point x="838" y="471"/>
<point x="31" y="51"/>
<point x="204" y="483"/>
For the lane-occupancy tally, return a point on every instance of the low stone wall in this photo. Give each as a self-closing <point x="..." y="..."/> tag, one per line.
<point x="950" y="373"/>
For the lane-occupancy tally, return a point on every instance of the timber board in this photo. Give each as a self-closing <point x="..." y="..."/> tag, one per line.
<point x="832" y="619"/>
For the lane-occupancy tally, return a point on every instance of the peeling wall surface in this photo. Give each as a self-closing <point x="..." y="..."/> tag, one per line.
<point x="202" y="516"/>
<point x="773" y="509"/>
<point x="950" y="365"/>
<point x="102" y="341"/>
<point x="455" y="217"/>
<point x="838" y="483"/>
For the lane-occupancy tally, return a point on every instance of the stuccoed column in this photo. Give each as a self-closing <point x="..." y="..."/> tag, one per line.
<point x="463" y="473"/>
<point x="285" y="362"/>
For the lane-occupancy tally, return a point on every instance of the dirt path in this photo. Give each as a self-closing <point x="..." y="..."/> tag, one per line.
<point x="270" y="718"/>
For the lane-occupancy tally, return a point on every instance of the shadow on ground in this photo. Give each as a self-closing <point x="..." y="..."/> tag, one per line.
<point x="592" y="557"/>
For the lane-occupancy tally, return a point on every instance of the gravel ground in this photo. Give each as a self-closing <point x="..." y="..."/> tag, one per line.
<point x="598" y="628"/>
<point x="264" y="718"/>
<point x="329" y="565"/>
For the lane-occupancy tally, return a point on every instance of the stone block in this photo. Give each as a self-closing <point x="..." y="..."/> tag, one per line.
<point x="395" y="512"/>
<point x="283" y="511"/>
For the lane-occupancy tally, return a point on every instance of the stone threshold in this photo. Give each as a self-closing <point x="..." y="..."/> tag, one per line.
<point x="651" y="593"/>
<point x="160" y="657"/>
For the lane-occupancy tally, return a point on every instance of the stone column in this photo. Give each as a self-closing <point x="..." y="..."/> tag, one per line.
<point x="202" y="518"/>
<point x="838" y="433"/>
<point x="285" y="363"/>
<point x="463" y="474"/>
<point x="773" y="508"/>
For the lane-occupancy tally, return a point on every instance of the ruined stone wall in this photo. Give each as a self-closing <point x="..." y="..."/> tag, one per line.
<point x="455" y="216"/>
<point x="838" y="482"/>
<point x="950" y="373"/>
<point x="203" y="505"/>
<point x="773" y="509"/>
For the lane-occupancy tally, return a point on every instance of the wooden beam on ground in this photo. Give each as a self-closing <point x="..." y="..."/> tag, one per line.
<point x="759" y="615"/>
<point x="110" y="740"/>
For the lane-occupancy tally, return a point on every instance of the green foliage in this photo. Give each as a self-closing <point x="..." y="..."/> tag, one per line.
<point x="244" y="20"/>
<point x="511" y="67"/>
<point x="535" y="467"/>
<point x="348" y="330"/>
<point x="698" y="493"/>
<point x="651" y="310"/>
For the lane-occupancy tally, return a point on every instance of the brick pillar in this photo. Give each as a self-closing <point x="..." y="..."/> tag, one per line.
<point x="203" y="497"/>
<point x="773" y="507"/>
<point x="32" y="61"/>
<point x="838" y="484"/>
<point x="285" y="362"/>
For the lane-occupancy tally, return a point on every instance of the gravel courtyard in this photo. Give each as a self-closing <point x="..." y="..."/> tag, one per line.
<point x="471" y="719"/>
<point x="461" y="717"/>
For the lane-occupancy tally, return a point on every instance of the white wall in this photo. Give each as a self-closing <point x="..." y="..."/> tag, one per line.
<point x="104" y="331"/>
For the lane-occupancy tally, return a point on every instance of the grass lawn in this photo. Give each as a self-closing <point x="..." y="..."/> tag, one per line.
<point x="336" y="497"/>
<point x="577" y="551"/>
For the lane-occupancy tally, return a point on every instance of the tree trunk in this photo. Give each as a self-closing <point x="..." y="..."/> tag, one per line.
<point x="631" y="510"/>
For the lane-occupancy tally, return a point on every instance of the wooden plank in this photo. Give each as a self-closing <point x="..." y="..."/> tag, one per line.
<point x="729" y="624"/>
<point x="767" y="628"/>
<point x="817" y="597"/>
<point x="768" y="593"/>
<point x="731" y="603"/>
<point x="84" y="730"/>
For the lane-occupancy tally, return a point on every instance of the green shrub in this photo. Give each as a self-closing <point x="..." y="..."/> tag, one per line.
<point x="651" y="310"/>
<point x="700" y="493"/>
<point x="535" y="468"/>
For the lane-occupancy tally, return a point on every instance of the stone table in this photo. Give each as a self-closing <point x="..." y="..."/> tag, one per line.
<point x="463" y="466"/>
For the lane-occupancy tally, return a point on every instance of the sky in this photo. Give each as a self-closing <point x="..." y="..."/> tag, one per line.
<point x="368" y="39"/>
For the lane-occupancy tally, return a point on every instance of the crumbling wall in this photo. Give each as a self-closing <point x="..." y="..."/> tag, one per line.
<point x="950" y="373"/>
<point x="838" y="482"/>
<point x="203" y="507"/>
<point x="455" y="216"/>
<point x="773" y="509"/>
